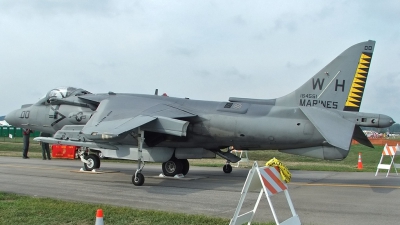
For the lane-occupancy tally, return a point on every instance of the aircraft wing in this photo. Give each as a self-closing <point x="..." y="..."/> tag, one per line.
<point x="112" y="118"/>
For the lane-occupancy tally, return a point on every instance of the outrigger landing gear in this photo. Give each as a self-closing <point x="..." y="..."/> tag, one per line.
<point x="229" y="158"/>
<point x="138" y="178"/>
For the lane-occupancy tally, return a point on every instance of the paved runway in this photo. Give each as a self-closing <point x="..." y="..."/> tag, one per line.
<point x="318" y="197"/>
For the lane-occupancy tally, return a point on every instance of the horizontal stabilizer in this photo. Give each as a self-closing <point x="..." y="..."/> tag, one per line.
<point x="337" y="131"/>
<point x="359" y="136"/>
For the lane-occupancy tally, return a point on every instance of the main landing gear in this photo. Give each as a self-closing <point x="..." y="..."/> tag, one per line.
<point x="90" y="161"/>
<point x="175" y="166"/>
<point x="138" y="178"/>
<point x="170" y="168"/>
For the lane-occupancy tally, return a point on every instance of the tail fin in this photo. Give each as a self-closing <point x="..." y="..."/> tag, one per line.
<point x="339" y="85"/>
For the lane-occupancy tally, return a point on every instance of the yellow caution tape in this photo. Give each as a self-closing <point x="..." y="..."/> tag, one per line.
<point x="285" y="174"/>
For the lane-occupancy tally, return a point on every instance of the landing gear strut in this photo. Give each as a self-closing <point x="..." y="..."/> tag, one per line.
<point x="138" y="178"/>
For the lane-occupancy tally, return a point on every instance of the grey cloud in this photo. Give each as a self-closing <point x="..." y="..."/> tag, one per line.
<point x="312" y="63"/>
<point x="182" y="51"/>
<point x="234" y="73"/>
<point x="203" y="73"/>
<point x="239" y="20"/>
<point x="285" y="24"/>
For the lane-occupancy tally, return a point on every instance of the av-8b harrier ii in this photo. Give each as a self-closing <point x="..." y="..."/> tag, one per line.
<point x="319" y="119"/>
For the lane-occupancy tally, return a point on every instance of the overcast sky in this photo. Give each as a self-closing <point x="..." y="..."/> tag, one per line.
<point x="208" y="50"/>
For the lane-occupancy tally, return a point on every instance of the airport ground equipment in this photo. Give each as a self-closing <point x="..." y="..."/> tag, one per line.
<point x="390" y="151"/>
<point x="266" y="180"/>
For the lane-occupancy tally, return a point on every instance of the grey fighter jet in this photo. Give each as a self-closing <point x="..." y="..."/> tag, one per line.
<point x="319" y="119"/>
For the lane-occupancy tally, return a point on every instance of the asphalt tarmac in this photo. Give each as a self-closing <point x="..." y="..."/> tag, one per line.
<point x="318" y="197"/>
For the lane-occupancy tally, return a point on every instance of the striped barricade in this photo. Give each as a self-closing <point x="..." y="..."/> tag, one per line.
<point x="266" y="180"/>
<point x="390" y="151"/>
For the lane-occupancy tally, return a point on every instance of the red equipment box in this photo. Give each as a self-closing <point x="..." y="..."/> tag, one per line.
<point x="64" y="151"/>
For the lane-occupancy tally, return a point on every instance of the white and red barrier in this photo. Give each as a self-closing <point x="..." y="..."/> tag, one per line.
<point x="390" y="151"/>
<point x="266" y="180"/>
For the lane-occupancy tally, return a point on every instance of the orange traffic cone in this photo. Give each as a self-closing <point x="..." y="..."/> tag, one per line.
<point x="360" y="165"/>
<point x="99" y="217"/>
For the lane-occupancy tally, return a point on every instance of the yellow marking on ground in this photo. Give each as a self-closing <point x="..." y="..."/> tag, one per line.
<point x="345" y="185"/>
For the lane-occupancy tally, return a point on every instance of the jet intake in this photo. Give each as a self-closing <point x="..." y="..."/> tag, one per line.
<point x="320" y="152"/>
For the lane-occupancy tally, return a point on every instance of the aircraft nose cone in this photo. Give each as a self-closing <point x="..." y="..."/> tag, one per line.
<point x="386" y="121"/>
<point x="12" y="118"/>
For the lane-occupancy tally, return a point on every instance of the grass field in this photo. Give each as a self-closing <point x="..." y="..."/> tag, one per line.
<point x="18" y="209"/>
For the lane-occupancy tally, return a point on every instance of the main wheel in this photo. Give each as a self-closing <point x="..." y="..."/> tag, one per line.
<point x="94" y="162"/>
<point x="185" y="166"/>
<point x="227" y="168"/>
<point x="172" y="167"/>
<point x="138" y="180"/>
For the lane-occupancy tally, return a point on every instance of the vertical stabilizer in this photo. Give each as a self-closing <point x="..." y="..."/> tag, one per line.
<point x="339" y="85"/>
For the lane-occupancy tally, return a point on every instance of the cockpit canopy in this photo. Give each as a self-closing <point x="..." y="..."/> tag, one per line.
<point x="61" y="93"/>
<point x="64" y="92"/>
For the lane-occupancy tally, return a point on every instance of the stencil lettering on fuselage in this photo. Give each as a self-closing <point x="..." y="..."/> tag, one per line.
<point x="323" y="103"/>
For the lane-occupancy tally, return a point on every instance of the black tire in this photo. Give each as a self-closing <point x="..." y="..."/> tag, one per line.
<point x="227" y="168"/>
<point x="172" y="167"/>
<point x="138" y="180"/>
<point x="185" y="166"/>
<point x="94" y="162"/>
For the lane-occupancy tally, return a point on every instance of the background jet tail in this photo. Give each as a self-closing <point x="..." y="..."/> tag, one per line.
<point x="339" y="85"/>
